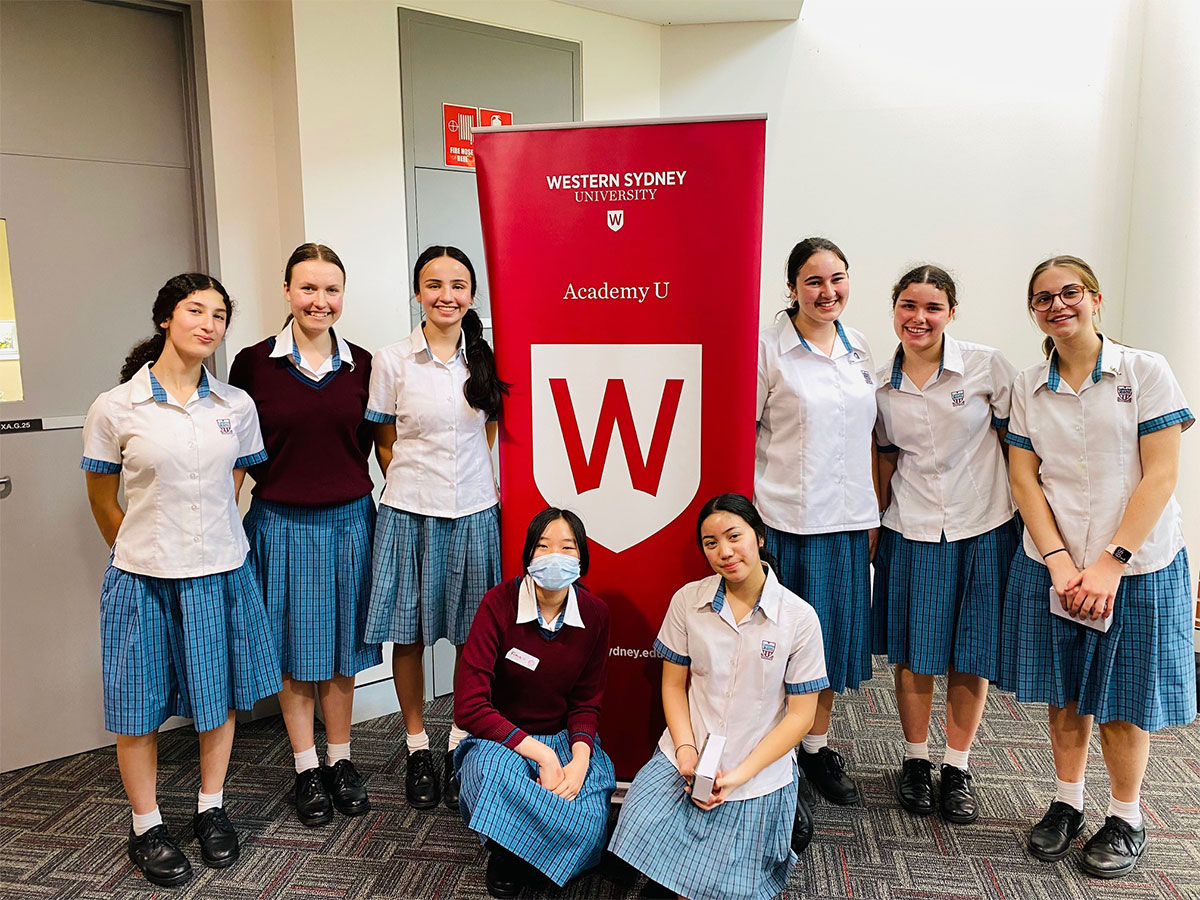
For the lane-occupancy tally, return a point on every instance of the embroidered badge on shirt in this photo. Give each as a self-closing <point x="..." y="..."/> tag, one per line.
<point x="225" y="425"/>
<point x="768" y="649"/>
<point x="866" y="376"/>
<point x="1124" y="393"/>
<point x="958" y="398"/>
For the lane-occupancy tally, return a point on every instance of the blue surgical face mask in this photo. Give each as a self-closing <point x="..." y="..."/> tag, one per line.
<point x="554" y="571"/>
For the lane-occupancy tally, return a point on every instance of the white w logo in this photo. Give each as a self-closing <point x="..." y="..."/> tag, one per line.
<point x="616" y="218"/>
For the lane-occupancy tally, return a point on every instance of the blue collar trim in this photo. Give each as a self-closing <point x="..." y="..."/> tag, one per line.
<point x="160" y="393"/>
<point x="1053" y="379"/>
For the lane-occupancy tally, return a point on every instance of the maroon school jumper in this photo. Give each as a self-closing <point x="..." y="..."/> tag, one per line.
<point x="316" y="438"/>
<point x="500" y="700"/>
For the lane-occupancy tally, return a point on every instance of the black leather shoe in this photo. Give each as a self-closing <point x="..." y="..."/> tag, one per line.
<point x="450" y="782"/>
<point x="313" y="806"/>
<point x="1114" y="849"/>
<point x="217" y="836"/>
<point x="346" y="788"/>
<point x="421" y="781"/>
<point x="826" y="771"/>
<point x="915" y="786"/>
<point x="1051" y="838"/>
<point x="955" y="796"/>
<point x="802" y="826"/>
<point x="505" y="873"/>
<point x="158" y="857"/>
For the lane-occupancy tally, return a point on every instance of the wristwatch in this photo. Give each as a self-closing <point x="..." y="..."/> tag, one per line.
<point x="1120" y="554"/>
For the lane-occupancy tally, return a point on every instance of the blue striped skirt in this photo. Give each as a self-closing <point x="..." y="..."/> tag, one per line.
<point x="939" y="605"/>
<point x="194" y="647"/>
<point x="738" y="849"/>
<point x="429" y="574"/>
<point x="499" y="798"/>
<point x="833" y="573"/>
<point x="314" y="565"/>
<point x="1142" y="670"/>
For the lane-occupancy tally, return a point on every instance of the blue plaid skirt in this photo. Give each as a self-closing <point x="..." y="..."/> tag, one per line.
<point x="499" y="798"/>
<point x="314" y="565"/>
<point x="429" y="574"/>
<point x="939" y="605"/>
<point x="194" y="647"/>
<point x="1142" y="670"/>
<point x="739" y="849"/>
<point x="833" y="573"/>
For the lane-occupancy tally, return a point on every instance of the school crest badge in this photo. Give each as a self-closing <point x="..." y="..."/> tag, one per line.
<point x="225" y="425"/>
<point x="1124" y="393"/>
<point x="958" y="398"/>
<point x="768" y="649"/>
<point x="616" y="434"/>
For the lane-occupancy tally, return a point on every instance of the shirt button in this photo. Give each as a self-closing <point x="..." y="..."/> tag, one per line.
<point x="196" y="540"/>
<point x="193" y="476"/>
<point x="194" y="506"/>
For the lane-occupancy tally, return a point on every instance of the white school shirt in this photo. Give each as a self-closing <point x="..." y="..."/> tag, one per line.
<point x="1088" y="453"/>
<point x="812" y="449"/>
<point x="528" y="610"/>
<point x="441" y="463"/>
<point x="285" y="345"/>
<point x="950" y="475"/>
<point x="176" y="462"/>
<point x="742" y="673"/>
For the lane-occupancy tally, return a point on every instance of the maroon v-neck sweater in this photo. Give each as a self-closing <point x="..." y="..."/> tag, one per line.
<point x="316" y="438"/>
<point x="500" y="700"/>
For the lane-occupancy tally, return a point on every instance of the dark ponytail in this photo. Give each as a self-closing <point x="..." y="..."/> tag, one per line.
<point x="484" y="390"/>
<point x="169" y="296"/>
<point x="741" y="507"/>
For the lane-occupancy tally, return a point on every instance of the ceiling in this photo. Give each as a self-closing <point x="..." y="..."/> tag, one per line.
<point x="695" y="12"/>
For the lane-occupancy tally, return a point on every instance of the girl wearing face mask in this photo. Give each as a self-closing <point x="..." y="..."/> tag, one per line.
<point x="312" y="521"/>
<point x="813" y="482"/>
<point x="434" y="400"/>
<point x="182" y="627"/>
<point x="1094" y="455"/>
<point x="534" y="781"/>
<point x="948" y="533"/>
<point x="742" y="659"/>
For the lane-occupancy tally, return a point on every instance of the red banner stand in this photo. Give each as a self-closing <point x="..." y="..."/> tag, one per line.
<point x="623" y="260"/>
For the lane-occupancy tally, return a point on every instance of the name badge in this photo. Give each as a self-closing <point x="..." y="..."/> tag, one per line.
<point x="521" y="658"/>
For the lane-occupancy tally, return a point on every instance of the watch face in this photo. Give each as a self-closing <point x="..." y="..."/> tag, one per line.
<point x="1120" y="554"/>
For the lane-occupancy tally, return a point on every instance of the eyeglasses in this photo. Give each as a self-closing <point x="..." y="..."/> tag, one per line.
<point x="1071" y="295"/>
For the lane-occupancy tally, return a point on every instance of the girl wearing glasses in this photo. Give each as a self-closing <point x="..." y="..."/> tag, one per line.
<point x="813" y="482"/>
<point x="948" y="533"/>
<point x="1094" y="437"/>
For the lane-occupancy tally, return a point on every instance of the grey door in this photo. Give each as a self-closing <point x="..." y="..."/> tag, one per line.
<point x="99" y="190"/>
<point x="449" y="61"/>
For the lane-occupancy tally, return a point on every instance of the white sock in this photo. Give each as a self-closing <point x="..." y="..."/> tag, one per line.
<point x="418" y="741"/>
<point x="456" y="736"/>
<point x="306" y="759"/>
<point x="956" y="758"/>
<point x="916" y="751"/>
<point x="335" y="752"/>
<point x="814" y="742"/>
<point x="143" y="823"/>
<point x="1131" y="812"/>
<point x="209" y="801"/>
<point x="1070" y="792"/>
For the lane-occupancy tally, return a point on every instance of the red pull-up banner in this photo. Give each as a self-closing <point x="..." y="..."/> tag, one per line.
<point x="623" y="260"/>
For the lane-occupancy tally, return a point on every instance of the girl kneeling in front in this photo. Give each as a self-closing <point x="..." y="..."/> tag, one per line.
<point x="756" y="662"/>
<point x="533" y="779"/>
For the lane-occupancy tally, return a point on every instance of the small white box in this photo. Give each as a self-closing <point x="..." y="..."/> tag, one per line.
<point x="706" y="768"/>
<point x="1101" y="625"/>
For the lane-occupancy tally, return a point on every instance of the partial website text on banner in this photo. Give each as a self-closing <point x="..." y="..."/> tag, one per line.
<point x="623" y="260"/>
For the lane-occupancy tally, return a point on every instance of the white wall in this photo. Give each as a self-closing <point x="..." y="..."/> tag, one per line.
<point x="931" y="131"/>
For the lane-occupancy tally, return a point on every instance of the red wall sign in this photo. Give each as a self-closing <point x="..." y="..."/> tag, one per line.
<point x="623" y="263"/>
<point x="458" y="125"/>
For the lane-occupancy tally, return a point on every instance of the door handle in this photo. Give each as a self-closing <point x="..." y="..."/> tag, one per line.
<point x="5" y="486"/>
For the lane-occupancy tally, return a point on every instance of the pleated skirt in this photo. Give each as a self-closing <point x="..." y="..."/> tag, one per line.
<point x="1142" y="670"/>
<point x="833" y="573"/>
<point x="314" y="566"/>
<point x="939" y="605"/>
<point x="429" y="574"/>
<point x="195" y="647"/>
<point x="499" y="798"/>
<point x="739" y="850"/>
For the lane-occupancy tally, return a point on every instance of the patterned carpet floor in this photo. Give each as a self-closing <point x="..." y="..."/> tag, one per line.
<point x="63" y="824"/>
